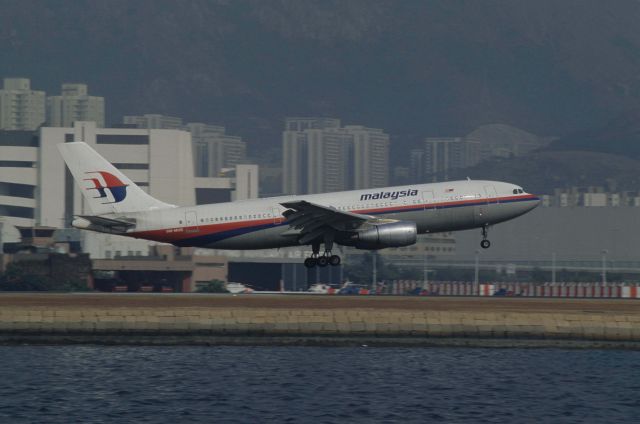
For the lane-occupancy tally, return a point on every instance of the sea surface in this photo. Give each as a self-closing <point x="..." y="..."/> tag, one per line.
<point x="98" y="384"/>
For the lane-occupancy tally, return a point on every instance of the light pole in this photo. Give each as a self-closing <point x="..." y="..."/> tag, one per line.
<point x="475" y="279"/>
<point x="425" y="271"/>
<point x="604" y="267"/>
<point x="375" y="271"/>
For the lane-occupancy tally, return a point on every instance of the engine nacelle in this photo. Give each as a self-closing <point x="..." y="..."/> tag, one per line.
<point x="80" y="223"/>
<point x="394" y="234"/>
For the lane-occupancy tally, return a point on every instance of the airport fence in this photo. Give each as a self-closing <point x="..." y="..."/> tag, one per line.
<point x="462" y="288"/>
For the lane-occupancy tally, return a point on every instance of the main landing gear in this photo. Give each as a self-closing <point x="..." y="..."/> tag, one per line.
<point x="326" y="259"/>
<point x="485" y="244"/>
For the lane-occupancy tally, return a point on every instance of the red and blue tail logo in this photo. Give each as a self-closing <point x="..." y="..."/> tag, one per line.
<point x="117" y="188"/>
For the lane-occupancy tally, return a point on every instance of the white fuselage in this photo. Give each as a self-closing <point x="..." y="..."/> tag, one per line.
<point x="259" y="223"/>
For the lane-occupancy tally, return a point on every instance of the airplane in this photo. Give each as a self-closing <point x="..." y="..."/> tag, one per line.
<point x="365" y="219"/>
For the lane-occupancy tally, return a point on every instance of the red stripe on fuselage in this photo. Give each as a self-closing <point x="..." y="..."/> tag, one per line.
<point x="170" y="235"/>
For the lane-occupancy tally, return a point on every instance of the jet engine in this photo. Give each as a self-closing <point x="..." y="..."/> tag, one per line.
<point x="394" y="234"/>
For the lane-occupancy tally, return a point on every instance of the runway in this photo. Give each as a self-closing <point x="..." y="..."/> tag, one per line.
<point x="305" y="301"/>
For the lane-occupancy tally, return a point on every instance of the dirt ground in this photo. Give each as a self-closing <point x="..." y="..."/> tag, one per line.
<point x="295" y="301"/>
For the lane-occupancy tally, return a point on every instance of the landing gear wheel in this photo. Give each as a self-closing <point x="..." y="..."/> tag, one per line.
<point x="310" y="262"/>
<point x="323" y="261"/>
<point x="485" y="244"/>
<point x="334" y="260"/>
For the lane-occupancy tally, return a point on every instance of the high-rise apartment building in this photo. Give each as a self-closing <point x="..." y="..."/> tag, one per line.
<point x="321" y="156"/>
<point x="215" y="150"/>
<point x="416" y="165"/>
<point x="21" y="108"/>
<point x="370" y="157"/>
<point x="440" y="155"/>
<point x="74" y="104"/>
<point x="154" y="121"/>
<point x="327" y="160"/>
<point x="295" y="155"/>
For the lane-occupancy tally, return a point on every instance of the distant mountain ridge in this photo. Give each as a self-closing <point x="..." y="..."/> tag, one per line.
<point x="620" y="136"/>
<point x="543" y="171"/>
<point x="414" y="68"/>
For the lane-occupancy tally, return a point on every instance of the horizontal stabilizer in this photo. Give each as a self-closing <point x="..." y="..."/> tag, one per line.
<point x="84" y="221"/>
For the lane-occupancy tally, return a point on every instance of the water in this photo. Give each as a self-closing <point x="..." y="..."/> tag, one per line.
<point x="95" y="384"/>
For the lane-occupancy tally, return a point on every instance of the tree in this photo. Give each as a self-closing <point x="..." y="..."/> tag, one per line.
<point x="19" y="276"/>
<point x="214" y="286"/>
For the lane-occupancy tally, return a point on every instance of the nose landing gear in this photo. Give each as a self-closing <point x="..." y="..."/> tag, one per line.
<point x="485" y="244"/>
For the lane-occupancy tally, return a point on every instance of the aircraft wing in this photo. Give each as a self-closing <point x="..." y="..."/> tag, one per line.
<point x="314" y="220"/>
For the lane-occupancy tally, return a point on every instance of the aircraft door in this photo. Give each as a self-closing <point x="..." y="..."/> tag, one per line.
<point x="482" y="211"/>
<point x="428" y="200"/>
<point x="428" y="221"/>
<point x="491" y="194"/>
<point x="277" y="215"/>
<point x="191" y="222"/>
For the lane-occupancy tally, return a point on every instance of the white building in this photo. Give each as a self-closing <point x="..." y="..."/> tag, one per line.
<point x="443" y="154"/>
<point x="74" y="104"/>
<point x="215" y="150"/>
<point x="18" y="177"/>
<point x="296" y="163"/>
<point x="36" y="187"/>
<point x="21" y="108"/>
<point x="370" y="157"/>
<point x="154" y="121"/>
<point x="321" y="156"/>
<point x="237" y="183"/>
<point x="245" y="181"/>
<point x="160" y="161"/>
<point x="327" y="160"/>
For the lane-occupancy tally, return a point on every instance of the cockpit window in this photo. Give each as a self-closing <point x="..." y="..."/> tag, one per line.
<point x="515" y="191"/>
<point x="520" y="191"/>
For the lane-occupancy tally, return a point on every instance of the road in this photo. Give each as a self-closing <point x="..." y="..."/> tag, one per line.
<point x="453" y="304"/>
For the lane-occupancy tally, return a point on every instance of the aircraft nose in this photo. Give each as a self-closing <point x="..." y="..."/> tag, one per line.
<point x="536" y="201"/>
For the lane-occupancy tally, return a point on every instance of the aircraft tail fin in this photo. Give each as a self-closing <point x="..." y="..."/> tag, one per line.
<point x="105" y="189"/>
